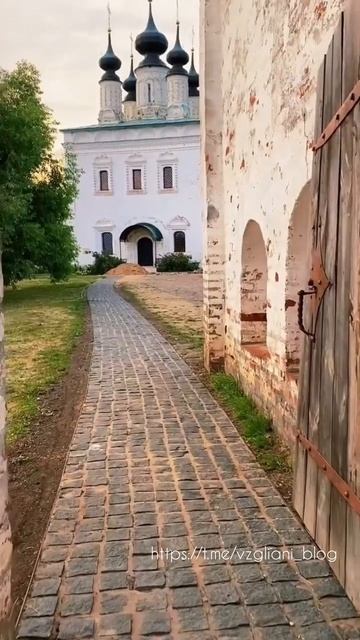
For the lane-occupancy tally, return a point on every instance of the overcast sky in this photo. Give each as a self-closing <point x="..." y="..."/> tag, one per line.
<point x="65" y="39"/>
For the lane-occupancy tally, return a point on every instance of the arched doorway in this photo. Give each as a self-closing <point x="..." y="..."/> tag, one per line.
<point x="297" y="274"/>
<point x="145" y="252"/>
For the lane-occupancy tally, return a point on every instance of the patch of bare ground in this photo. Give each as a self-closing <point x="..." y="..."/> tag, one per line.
<point x="174" y="304"/>
<point x="36" y="463"/>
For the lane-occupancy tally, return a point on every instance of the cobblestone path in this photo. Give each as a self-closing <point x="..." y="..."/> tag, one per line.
<point x="156" y="465"/>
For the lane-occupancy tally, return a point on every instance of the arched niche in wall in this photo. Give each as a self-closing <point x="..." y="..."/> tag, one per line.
<point x="254" y="278"/>
<point x="297" y="274"/>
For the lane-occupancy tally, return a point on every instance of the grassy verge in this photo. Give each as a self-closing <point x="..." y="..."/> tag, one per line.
<point x="254" y="427"/>
<point x="43" y="322"/>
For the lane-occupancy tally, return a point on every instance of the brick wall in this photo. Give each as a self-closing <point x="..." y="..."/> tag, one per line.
<point x="260" y="62"/>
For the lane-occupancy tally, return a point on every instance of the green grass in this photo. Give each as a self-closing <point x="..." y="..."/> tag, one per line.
<point x="254" y="427"/>
<point x="43" y="322"/>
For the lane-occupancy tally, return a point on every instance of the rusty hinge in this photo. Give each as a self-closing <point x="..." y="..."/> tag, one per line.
<point x="318" y="285"/>
<point x="346" y="108"/>
<point x="337" y="481"/>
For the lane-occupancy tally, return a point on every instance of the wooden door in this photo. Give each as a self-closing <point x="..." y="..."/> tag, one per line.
<point x="327" y="471"/>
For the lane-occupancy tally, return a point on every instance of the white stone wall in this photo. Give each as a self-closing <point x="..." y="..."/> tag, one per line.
<point x="194" y="107"/>
<point x="262" y="84"/>
<point x="110" y="101"/>
<point x="120" y="149"/>
<point x="130" y="110"/>
<point x="5" y="537"/>
<point x="155" y="78"/>
<point x="178" y="97"/>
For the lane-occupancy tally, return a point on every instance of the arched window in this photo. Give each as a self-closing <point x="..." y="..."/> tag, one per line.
<point x="168" y="181"/>
<point x="107" y="243"/>
<point x="149" y="92"/>
<point x="179" y="242"/>
<point x="254" y="280"/>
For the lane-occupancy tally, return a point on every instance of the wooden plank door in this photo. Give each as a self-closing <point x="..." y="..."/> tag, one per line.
<point x="328" y="417"/>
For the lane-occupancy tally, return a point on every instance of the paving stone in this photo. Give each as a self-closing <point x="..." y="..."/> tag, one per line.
<point x="292" y="591"/>
<point x="181" y="578"/>
<point x="304" y="613"/>
<point x="258" y="593"/>
<point x="39" y="607"/>
<point x="152" y="601"/>
<point x="276" y="633"/>
<point x="186" y="597"/>
<point x="229" y="616"/>
<point x="54" y="554"/>
<point x="215" y="574"/>
<point x="74" y="605"/>
<point x="71" y="628"/>
<point x="313" y="569"/>
<point x="155" y="623"/>
<point x="46" y="587"/>
<point x="144" y="563"/>
<point x="89" y="550"/>
<point x="78" y="585"/>
<point x="149" y="580"/>
<point x="338" y="608"/>
<point x="81" y="567"/>
<point x="88" y="536"/>
<point x="193" y="619"/>
<point x="326" y="587"/>
<point x="35" y="628"/>
<point x="223" y="593"/>
<point x="112" y="602"/>
<point x="267" y="615"/>
<point x="321" y="632"/>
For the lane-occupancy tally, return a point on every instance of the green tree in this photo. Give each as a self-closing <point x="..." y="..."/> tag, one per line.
<point x="36" y="189"/>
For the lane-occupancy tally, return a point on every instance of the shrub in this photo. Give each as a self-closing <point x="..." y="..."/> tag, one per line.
<point x="176" y="262"/>
<point x="103" y="263"/>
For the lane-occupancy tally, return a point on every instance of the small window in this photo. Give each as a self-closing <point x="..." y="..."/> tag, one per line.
<point x="137" y="180"/>
<point x="168" y="180"/>
<point x="149" y="92"/>
<point x="179" y="242"/>
<point x="107" y="244"/>
<point x="104" y="180"/>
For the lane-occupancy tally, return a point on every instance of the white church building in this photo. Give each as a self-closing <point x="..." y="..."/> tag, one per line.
<point x="139" y="193"/>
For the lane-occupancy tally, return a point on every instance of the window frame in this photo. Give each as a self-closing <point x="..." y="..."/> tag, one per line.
<point x="164" y="169"/>
<point x="176" y="239"/>
<point x="102" y="174"/>
<point x="136" y="171"/>
<point x="103" y="250"/>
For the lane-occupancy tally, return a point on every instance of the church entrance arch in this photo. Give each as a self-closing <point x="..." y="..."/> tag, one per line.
<point x="145" y="252"/>
<point x="140" y="243"/>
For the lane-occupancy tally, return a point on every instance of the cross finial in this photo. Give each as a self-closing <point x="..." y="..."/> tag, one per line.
<point x="177" y="12"/>
<point x="193" y="38"/>
<point x="132" y="44"/>
<point x="109" y="17"/>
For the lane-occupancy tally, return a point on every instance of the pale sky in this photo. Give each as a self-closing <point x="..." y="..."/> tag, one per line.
<point x="65" y="40"/>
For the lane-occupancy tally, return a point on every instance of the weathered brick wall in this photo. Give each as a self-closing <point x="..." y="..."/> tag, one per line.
<point x="213" y="216"/>
<point x="5" y="540"/>
<point x="269" y="58"/>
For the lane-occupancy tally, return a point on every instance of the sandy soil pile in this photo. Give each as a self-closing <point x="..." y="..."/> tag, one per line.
<point x="127" y="270"/>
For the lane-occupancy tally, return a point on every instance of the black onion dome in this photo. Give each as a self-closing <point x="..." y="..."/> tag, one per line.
<point x="130" y="84"/>
<point x="177" y="57"/>
<point x="110" y="63"/>
<point x="151" y="44"/>
<point x="194" y="79"/>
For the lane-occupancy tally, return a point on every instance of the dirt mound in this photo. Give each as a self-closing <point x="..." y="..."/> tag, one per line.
<point x="127" y="270"/>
